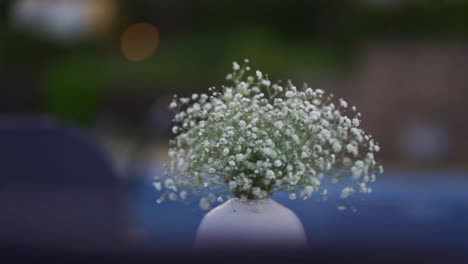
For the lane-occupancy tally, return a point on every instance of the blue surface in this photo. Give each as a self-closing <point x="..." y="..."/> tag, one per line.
<point x="417" y="208"/>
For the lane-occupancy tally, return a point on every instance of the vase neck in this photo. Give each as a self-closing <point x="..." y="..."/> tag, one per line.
<point x="257" y="205"/>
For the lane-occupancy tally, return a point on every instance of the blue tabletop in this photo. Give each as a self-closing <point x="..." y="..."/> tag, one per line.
<point x="413" y="208"/>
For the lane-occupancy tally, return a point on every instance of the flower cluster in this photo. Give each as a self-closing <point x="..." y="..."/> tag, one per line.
<point x="253" y="138"/>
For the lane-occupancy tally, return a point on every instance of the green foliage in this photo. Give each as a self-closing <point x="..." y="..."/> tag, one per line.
<point x="73" y="89"/>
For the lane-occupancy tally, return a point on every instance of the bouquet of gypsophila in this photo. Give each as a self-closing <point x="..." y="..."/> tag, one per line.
<point x="252" y="138"/>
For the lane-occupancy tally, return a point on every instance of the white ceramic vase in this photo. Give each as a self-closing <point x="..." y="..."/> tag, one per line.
<point x="252" y="224"/>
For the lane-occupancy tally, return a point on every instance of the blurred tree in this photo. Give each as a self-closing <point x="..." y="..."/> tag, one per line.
<point x="73" y="88"/>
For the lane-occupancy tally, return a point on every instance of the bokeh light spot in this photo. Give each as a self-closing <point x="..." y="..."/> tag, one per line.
<point x="139" y="41"/>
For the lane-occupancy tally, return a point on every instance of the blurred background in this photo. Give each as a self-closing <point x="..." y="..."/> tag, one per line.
<point x="84" y="122"/>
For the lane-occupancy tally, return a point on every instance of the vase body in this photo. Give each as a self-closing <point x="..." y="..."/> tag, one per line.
<point x="252" y="224"/>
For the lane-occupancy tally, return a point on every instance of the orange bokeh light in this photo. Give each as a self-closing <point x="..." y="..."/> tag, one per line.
<point x="139" y="41"/>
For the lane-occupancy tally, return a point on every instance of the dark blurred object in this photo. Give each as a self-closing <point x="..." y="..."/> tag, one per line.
<point x="57" y="189"/>
<point x="350" y="254"/>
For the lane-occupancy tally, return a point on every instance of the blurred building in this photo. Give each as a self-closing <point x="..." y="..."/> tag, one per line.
<point x="413" y="95"/>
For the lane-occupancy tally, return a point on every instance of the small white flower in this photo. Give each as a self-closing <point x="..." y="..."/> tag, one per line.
<point x="278" y="125"/>
<point x="168" y="183"/>
<point x="314" y="115"/>
<point x="239" y="157"/>
<point x="296" y="139"/>
<point x="289" y="94"/>
<point x="359" y="164"/>
<point x="259" y="74"/>
<point x="346" y="192"/>
<point x="205" y="204"/>
<point x="220" y="199"/>
<point x="270" y="174"/>
<point x="278" y="163"/>
<point x="232" y="185"/>
<point x="175" y="129"/>
<point x="225" y="151"/>
<point x="157" y="185"/>
<point x="363" y="188"/>
<point x="314" y="181"/>
<point x="270" y="152"/>
<point x="184" y="100"/>
<point x="183" y="195"/>
<point x="232" y="163"/>
<point x="343" y="103"/>
<point x="173" y="105"/>
<point x="307" y="192"/>
<point x="257" y="192"/>
<point x="235" y="66"/>
<point x="351" y="149"/>
<point x="336" y="146"/>
<point x="292" y="196"/>
<point x="381" y="170"/>
<point x="211" y="170"/>
<point x="376" y="148"/>
<point x="356" y="122"/>
<point x="172" y="196"/>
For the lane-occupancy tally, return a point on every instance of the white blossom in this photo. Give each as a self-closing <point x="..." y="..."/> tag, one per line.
<point x="172" y="196"/>
<point x="183" y="194"/>
<point x="232" y="185"/>
<point x="279" y="125"/>
<point x="343" y="103"/>
<point x="235" y="66"/>
<point x="266" y="82"/>
<point x="336" y="146"/>
<point x="242" y="123"/>
<point x="376" y="148"/>
<point x="296" y="139"/>
<point x="292" y="196"/>
<point x="157" y="185"/>
<point x="168" y="183"/>
<point x="253" y="138"/>
<point x="239" y="157"/>
<point x="225" y="151"/>
<point x="259" y="74"/>
<point x="278" y="163"/>
<point x="270" y="174"/>
<point x="257" y="192"/>
<point x="346" y="192"/>
<point x="356" y="122"/>
<point x="205" y="204"/>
